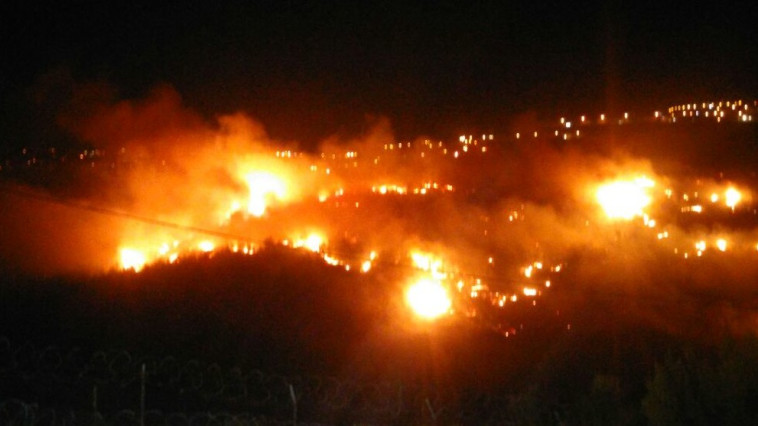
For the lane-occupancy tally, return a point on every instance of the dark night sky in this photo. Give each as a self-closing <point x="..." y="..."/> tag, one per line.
<point x="310" y="69"/>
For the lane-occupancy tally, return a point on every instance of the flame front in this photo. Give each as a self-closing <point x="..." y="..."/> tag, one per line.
<point x="421" y="205"/>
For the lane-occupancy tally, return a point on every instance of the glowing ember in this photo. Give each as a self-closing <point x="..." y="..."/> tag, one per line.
<point x="624" y="199"/>
<point x="732" y="197"/>
<point x="428" y="299"/>
<point x="721" y="244"/>
<point x="331" y="260"/>
<point x="132" y="259"/>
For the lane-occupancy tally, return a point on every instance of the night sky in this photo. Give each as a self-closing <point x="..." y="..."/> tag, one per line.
<point x="308" y="70"/>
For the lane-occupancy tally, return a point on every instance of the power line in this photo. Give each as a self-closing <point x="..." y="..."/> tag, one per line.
<point x="107" y="211"/>
<point x="116" y="213"/>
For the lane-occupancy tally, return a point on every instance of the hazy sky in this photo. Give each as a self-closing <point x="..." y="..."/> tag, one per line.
<point x="311" y="69"/>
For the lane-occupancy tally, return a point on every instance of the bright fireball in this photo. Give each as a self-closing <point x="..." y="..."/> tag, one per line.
<point x="428" y="298"/>
<point x="624" y="199"/>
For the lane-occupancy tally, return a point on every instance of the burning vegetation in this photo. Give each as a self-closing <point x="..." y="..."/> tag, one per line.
<point x="477" y="224"/>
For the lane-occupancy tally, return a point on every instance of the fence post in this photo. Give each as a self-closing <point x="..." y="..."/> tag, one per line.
<point x="400" y="405"/>
<point x="142" y="397"/>
<point x="431" y="411"/>
<point x="294" y="405"/>
<point x="94" y="404"/>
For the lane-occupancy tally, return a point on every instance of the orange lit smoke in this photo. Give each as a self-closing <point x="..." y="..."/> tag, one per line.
<point x="488" y="208"/>
<point x="177" y="168"/>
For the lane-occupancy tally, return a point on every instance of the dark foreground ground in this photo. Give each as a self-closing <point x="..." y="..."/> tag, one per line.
<point x="280" y="336"/>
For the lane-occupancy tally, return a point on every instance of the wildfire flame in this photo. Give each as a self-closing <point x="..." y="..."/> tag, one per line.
<point x="263" y="187"/>
<point x="313" y="242"/>
<point x="732" y="197"/>
<point x="353" y="189"/>
<point x="132" y="259"/>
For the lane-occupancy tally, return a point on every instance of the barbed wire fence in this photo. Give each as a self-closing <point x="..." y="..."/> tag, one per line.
<point x="53" y="386"/>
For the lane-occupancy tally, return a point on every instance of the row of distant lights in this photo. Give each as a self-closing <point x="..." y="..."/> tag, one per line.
<point x="567" y="125"/>
<point x="583" y="120"/>
<point x="711" y="110"/>
<point x="399" y="189"/>
<point x="469" y="140"/>
<point x="288" y="154"/>
<point x="466" y="140"/>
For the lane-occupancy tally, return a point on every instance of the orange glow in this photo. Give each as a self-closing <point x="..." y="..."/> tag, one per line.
<point x="428" y="299"/>
<point x="313" y="242"/>
<point x="424" y="261"/>
<point x="206" y="246"/>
